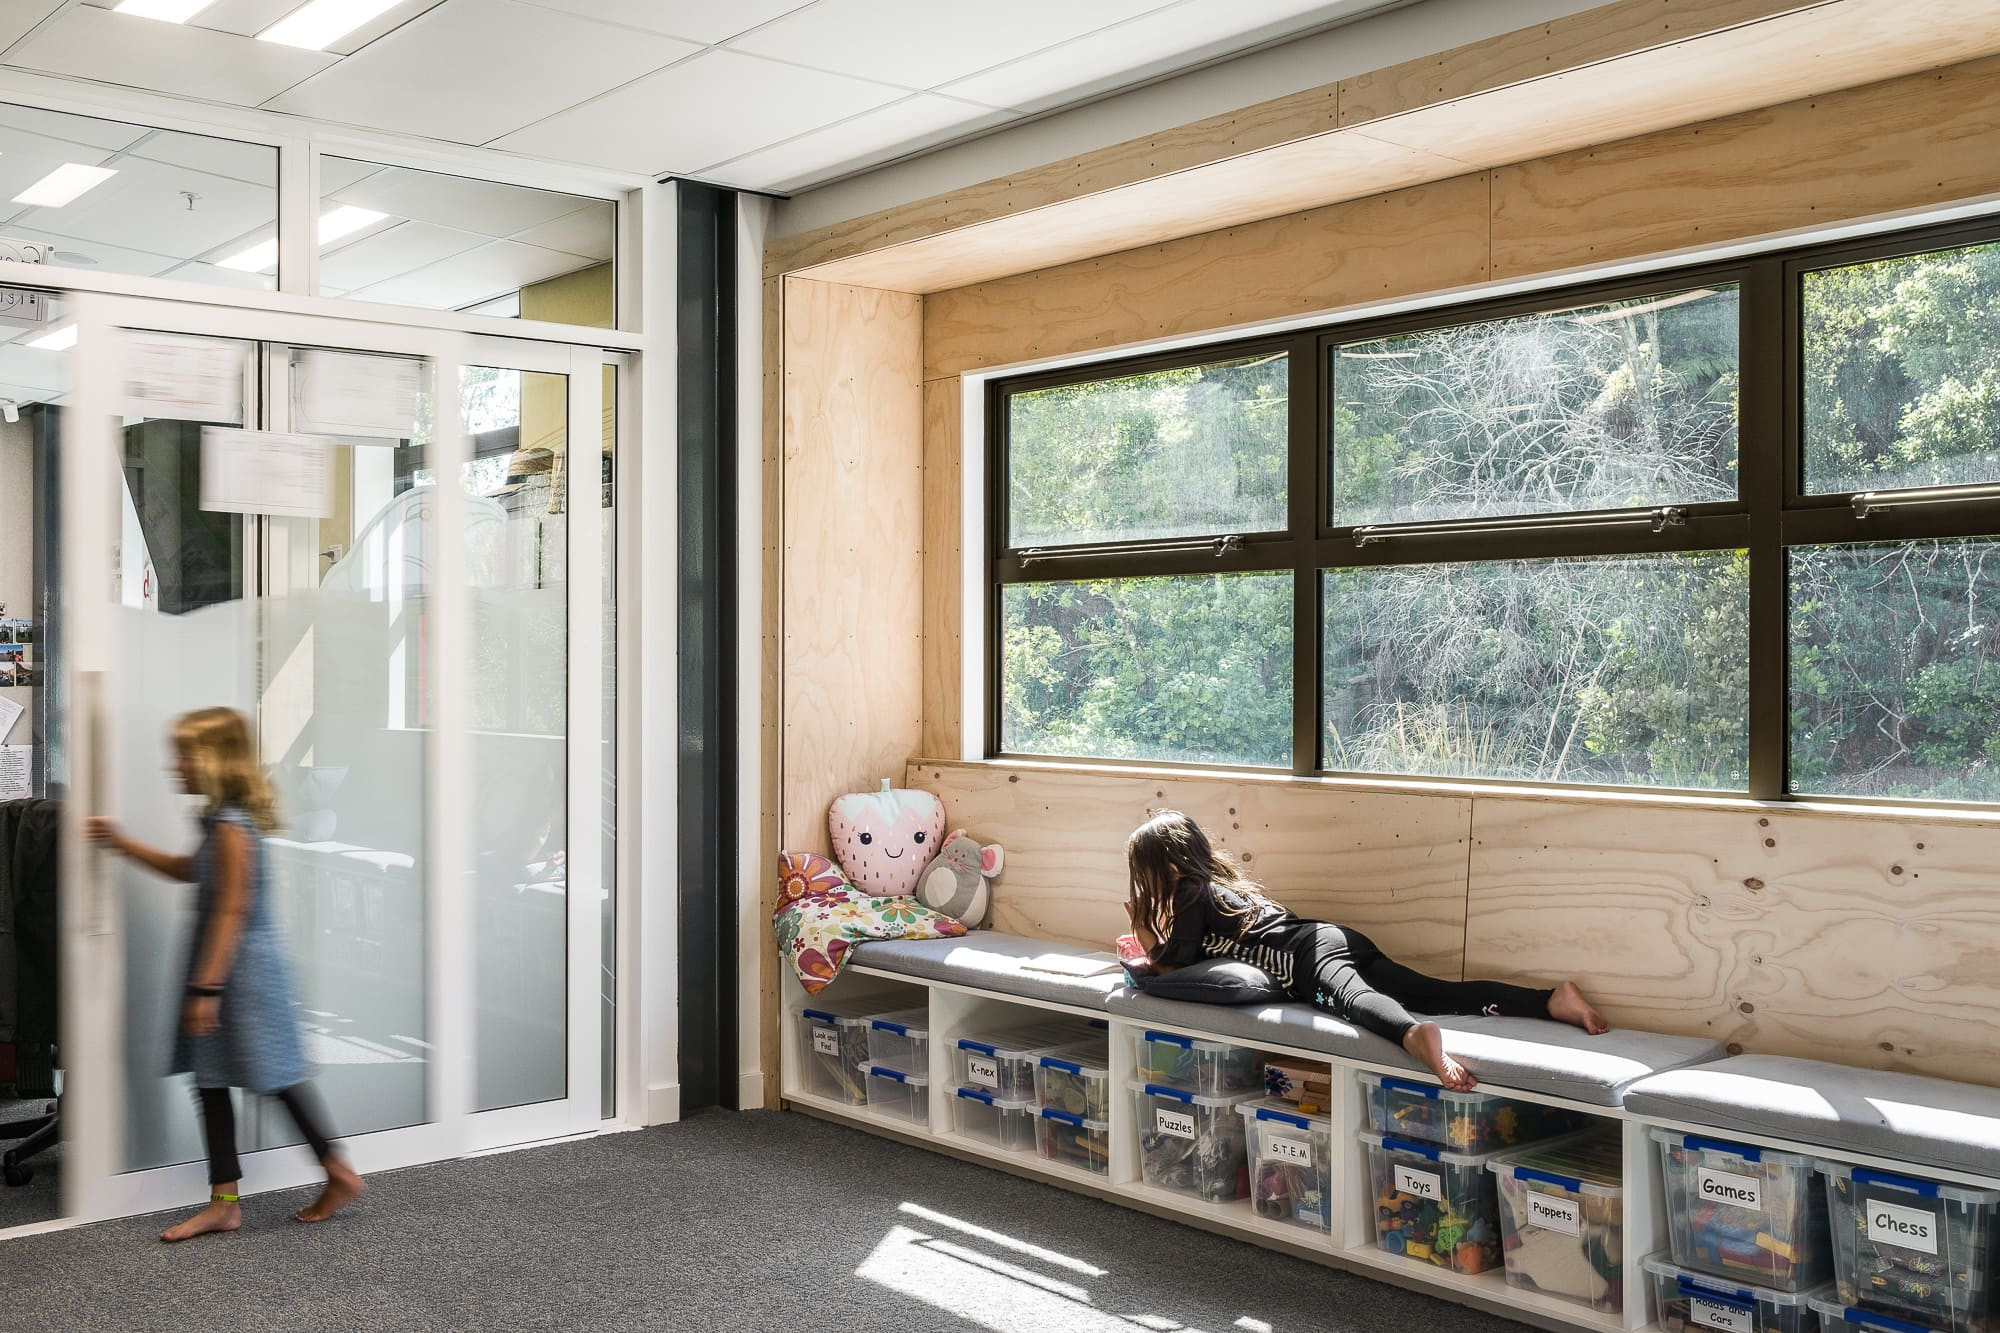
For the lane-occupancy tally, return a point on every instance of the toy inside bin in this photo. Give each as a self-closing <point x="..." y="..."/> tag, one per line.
<point x="1291" y="1162"/>
<point x="1003" y="1063"/>
<point x="833" y="1054"/>
<point x="1562" y="1226"/>
<point x="1434" y="1206"/>
<point x="1192" y="1142"/>
<point x="1755" y="1215"/>
<point x="1465" y="1122"/>
<point x="1912" y="1249"/>
<point x="1195" y="1064"/>
<point x="1076" y="1079"/>
<point x="1074" y="1140"/>
<point x="1685" y="1301"/>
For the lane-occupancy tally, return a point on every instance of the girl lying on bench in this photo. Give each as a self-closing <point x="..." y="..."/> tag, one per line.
<point x="1189" y="902"/>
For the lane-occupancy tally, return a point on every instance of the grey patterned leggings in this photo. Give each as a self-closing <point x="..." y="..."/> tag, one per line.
<point x="1342" y="971"/>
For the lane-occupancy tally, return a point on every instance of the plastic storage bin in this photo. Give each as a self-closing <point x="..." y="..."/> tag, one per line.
<point x="901" y="1041"/>
<point x="1837" y="1318"/>
<point x="1434" y="1205"/>
<point x="898" y="1095"/>
<point x="1684" y="1301"/>
<point x="833" y="1051"/>
<point x="1755" y="1215"/>
<point x="1074" y="1140"/>
<point x="1192" y="1064"/>
<point x="1465" y="1122"/>
<point x="1291" y="1162"/>
<point x="977" y="1114"/>
<point x="1912" y="1249"/>
<point x="1562" y="1219"/>
<point x="1075" y="1079"/>
<point x="1192" y="1142"/>
<point x="1003" y="1063"/>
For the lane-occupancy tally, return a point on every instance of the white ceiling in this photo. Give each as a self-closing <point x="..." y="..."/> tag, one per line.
<point x="762" y="94"/>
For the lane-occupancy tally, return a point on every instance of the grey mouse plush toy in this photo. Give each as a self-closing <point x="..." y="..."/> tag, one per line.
<point x="956" y="881"/>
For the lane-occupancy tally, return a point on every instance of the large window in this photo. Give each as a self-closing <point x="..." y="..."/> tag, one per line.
<point x="1731" y="529"/>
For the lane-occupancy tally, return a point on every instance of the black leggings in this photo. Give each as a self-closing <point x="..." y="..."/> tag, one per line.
<point x="1341" y="970"/>
<point x="218" y="1127"/>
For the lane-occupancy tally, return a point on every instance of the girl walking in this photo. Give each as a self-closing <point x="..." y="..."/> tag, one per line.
<point x="1189" y="902"/>
<point x="237" y="1028"/>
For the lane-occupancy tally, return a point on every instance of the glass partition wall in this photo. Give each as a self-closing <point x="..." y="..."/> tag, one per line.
<point x="361" y="537"/>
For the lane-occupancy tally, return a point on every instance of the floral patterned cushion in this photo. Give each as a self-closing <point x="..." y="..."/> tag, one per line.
<point x="819" y="915"/>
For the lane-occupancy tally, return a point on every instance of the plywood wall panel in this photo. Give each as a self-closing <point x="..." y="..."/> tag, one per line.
<point x="1904" y="144"/>
<point x="944" y="584"/>
<point x="1427" y="238"/>
<point x="853" y="546"/>
<point x="1867" y="941"/>
<point x="1392" y="865"/>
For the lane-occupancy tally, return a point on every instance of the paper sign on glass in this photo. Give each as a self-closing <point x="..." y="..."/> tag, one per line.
<point x="16" y="771"/>
<point x="265" y="472"/>
<point x="348" y="393"/>
<point x="183" y="379"/>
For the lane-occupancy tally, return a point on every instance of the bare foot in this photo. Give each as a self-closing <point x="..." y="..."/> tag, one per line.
<point x="1426" y="1042"/>
<point x="217" y="1216"/>
<point x="343" y="1186"/>
<point x="1567" y="1005"/>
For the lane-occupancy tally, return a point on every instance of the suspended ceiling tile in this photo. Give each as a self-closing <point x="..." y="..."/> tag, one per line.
<point x="697" y="20"/>
<point x="26" y="159"/>
<point x="172" y="58"/>
<point x="391" y="254"/>
<point x="717" y="106"/>
<point x="79" y="252"/>
<point x="209" y="274"/>
<point x="474" y="69"/>
<point x="913" y="124"/>
<point x="19" y="17"/>
<point x="1147" y="46"/>
<point x="591" y="231"/>
<point x="472" y="277"/>
<point x="143" y="207"/>
<point x="59" y="126"/>
<point x="487" y="208"/>
<point x="921" y="44"/>
<point x="337" y="173"/>
<point x="251" y="163"/>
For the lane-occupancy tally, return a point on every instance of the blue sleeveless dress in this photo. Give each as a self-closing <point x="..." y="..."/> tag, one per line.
<point x="256" y="1044"/>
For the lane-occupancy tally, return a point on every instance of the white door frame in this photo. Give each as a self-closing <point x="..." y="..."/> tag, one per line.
<point x="93" y="963"/>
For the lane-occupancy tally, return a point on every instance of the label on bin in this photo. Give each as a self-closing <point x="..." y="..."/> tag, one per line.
<point x="1552" y="1214"/>
<point x="826" y="1041"/>
<point x="1910" y="1228"/>
<point x="1174" y="1124"/>
<point x="1419" y="1184"/>
<point x="1714" y="1314"/>
<point x="1728" y="1187"/>
<point x="984" y="1072"/>
<point x="1291" y="1150"/>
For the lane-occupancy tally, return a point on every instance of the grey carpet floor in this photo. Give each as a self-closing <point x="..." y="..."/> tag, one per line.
<point x="760" y="1221"/>
<point x="37" y="1200"/>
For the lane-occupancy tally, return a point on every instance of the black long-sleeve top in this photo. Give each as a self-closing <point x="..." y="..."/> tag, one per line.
<point x="1215" y="921"/>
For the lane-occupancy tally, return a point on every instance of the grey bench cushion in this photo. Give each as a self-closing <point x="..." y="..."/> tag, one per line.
<point x="991" y="960"/>
<point x="1529" y="1054"/>
<point x="1903" y="1117"/>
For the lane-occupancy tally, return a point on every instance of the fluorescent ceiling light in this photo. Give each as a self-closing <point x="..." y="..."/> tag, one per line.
<point x="318" y="24"/>
<point x="55" y="340"/>
<point x="167" y="11"/>
<point x="334" y="224"/>
<point x="64" y="184"/>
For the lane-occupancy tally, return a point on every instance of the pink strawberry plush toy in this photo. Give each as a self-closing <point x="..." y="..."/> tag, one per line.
<point x="884" y="839"/>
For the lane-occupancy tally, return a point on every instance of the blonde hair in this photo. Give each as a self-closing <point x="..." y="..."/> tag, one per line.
<point x="222" y="764"/>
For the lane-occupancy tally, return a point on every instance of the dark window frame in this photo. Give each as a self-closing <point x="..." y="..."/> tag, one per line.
<point x="1771" y="514"/>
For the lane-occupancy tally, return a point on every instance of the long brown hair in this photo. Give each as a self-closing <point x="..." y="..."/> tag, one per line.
<point x="1170" y="849"/>
<point x="222" y="764"/>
